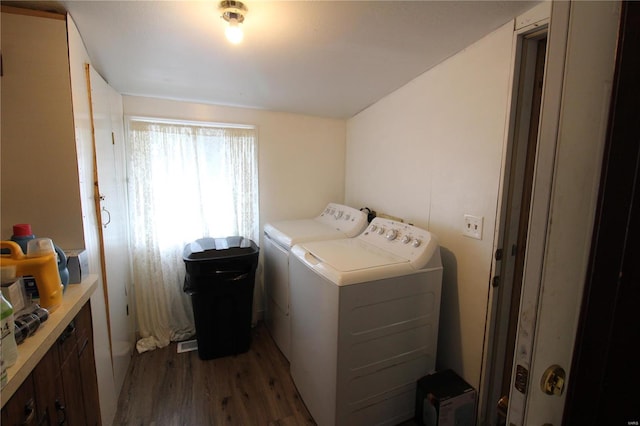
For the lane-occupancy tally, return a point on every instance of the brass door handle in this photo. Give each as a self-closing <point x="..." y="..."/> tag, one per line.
<point x="553" y="380"/>
<point x="503" y="406"/>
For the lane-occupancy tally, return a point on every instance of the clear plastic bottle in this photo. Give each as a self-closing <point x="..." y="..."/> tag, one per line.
<point x="9" y="347"/>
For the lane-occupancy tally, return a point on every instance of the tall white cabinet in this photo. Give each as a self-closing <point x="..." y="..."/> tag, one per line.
<point x="39" y="174"/>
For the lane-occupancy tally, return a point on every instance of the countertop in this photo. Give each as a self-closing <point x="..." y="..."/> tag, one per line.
<point x="33" y="349"/>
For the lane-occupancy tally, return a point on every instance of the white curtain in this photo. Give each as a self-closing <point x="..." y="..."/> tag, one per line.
<point x="185" y="182"/>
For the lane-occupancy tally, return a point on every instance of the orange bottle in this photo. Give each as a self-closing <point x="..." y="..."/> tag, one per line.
<point x="43" y="267"/>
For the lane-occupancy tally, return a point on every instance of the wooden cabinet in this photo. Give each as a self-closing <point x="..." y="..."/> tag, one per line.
<point x="21" y="408"/>
<point x="48" y="391"/>
<point x="87" y="368"/>
<point x="63" y="387"/>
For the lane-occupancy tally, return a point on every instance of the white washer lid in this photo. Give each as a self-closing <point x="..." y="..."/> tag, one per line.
<point x="351" y="261"/>
<point x="288" y="233"/>
<point x="348" y="255"/>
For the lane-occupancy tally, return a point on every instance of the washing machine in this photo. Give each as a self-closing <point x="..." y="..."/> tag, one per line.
<point x="335" y="221"/>
<point x="364" y="323"/>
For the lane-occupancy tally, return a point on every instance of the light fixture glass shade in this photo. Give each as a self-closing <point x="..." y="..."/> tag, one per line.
<point x="234" y="32"/>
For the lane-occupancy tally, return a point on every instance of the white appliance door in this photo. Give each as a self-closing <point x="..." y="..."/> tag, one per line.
<point x="276" y="285"/>
<point x="291" y="232"/>
<point x="350" y="261"/>
<point x="347" y="255"/>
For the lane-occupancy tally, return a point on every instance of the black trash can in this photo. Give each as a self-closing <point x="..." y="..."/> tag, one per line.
<point x="220" y="276"/>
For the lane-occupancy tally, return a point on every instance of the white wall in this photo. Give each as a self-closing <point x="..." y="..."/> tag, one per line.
<point x="431" y="152"/>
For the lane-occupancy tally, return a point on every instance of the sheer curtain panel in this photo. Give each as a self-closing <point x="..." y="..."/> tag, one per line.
<point x="186" y="181"/>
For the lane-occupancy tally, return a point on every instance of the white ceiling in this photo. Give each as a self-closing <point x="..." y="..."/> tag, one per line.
<point x="324" y="58"/>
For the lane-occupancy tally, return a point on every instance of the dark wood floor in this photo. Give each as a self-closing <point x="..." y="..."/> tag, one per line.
<point x="166" y="388"/>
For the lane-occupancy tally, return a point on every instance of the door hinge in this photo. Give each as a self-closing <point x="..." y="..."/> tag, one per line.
<point x="495" y="282"/>
<point x="498" y="254"/>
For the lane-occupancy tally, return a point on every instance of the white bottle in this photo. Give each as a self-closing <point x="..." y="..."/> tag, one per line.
<point x="9" y="347"/>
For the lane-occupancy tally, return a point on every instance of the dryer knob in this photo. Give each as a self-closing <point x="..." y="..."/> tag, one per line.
<point x="339" y="214"/>
<point x="392" y="234"/>
<point x="381" y="230"/>
<point x="416" y="243"/>
<point x="347" y="217"/>
<point x="373" y="228"/>
<point x="406" y="239"/>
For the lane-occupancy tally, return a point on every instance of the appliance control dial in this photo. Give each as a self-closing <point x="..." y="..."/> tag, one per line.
<point x="416" y="243"/>
<point x="347" y="217"/>
<point x="381" y="230"/>
<point x="406" y="239"/>
<point x="373" y="228"/>
<point x="339" y="214"/>
<point x="392" y="234"/>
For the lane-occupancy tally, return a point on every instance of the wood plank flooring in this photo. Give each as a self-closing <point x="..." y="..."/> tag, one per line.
<point x="166" y="388"/>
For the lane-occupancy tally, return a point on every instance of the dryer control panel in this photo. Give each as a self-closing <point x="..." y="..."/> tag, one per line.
<point x="344" y="218"/>
<point x="407" y="241"/>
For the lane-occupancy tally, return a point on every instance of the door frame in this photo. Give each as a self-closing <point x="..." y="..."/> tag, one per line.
<point x="529" y="28"/>
<point x="573" y="121"/>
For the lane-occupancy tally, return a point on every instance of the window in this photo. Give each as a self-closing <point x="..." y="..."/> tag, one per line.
<point x="186" y="181"/>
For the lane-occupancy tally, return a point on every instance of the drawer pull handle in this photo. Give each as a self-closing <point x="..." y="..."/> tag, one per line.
<point x="61" y="410"/>
<point x="68" y="332"/>
<point x="84" y="346"/>
<point x="29" y="412"/>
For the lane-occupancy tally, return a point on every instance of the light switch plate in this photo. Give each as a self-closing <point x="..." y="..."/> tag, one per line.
<point x="472" y="226"/>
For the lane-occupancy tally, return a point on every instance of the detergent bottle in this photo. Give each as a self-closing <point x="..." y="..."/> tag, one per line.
<point x="41" y="263"/>
<point x="22" y="234"/>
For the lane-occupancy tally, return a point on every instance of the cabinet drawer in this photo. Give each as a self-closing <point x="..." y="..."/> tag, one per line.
<point x="84" y="328"/>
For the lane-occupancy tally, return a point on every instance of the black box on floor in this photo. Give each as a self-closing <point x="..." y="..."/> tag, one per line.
<point x="445" y="399"/>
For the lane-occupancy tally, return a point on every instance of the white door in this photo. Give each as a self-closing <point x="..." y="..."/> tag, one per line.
<point x="578" y="79"/>
<point x="109" y="143"/>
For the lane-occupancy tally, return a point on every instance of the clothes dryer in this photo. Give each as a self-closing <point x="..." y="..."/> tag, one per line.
<point x="335" y="221"/>
<point x="364" y="323"/>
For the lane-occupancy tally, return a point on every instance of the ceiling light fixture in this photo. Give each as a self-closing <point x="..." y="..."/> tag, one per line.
<point x="233" y="12"/>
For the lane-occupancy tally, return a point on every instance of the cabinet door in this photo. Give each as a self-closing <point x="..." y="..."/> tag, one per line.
<point x="21" y="408"/>
<point x="87" y="366"/>
<point x="110" y="160"/>
<point x="72" y="384"/>
<point x="38" y="130"/>
<point x="52" y="405"/>
<point x="70" y="375"/>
